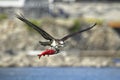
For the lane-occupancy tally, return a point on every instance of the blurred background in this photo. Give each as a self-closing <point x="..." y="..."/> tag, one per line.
<point x="89" y="51"/>
<point x="98" y="47"/>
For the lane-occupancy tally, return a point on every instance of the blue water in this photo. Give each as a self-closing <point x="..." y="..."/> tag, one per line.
<point x="63" y="73"/>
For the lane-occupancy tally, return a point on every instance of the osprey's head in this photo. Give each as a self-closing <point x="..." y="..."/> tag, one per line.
<point x="57" y="43"/>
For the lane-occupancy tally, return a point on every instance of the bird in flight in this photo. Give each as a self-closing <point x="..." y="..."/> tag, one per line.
<point x="55" y="44"/>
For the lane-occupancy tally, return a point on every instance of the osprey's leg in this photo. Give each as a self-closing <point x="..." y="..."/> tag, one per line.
<point x="45" y="43"/>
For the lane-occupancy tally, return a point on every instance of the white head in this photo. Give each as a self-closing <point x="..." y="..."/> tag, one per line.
<point x="61" y="43"/>
<point x="57" y="44"/>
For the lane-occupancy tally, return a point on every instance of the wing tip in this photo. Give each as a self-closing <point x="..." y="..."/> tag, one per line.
<point x="19" y="16"/>
<point x="94" y="24"/>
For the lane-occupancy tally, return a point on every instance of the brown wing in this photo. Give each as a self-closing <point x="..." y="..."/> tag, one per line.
<point x="41" y="31"/>
<point x="70" y="35"/>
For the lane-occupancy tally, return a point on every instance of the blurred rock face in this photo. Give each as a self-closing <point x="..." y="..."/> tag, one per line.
<point x="16" y="39"/>
<point x="15" y="36"/>
<point x="105" y="11"/>
<point x="104" y="38"/>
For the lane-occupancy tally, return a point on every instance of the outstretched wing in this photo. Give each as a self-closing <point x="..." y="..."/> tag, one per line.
<point x="70" y="35"/>
<point x="41" y="31"/>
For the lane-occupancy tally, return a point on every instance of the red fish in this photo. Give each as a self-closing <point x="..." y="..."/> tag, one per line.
<point x="47" y="52"/>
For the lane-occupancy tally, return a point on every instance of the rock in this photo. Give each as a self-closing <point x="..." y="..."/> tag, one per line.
<point x="88" y="10"/>
<point x="104" y="38"/>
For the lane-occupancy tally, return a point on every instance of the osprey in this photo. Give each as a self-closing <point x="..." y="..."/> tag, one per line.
<point x="54" y="43"/>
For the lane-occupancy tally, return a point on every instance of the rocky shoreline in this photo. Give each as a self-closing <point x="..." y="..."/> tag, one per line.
<point x="16" y="40"/>
<point x="22" y="59"/>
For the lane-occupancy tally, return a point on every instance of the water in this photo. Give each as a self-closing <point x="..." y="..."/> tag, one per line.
<point x="63" y="73"/>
